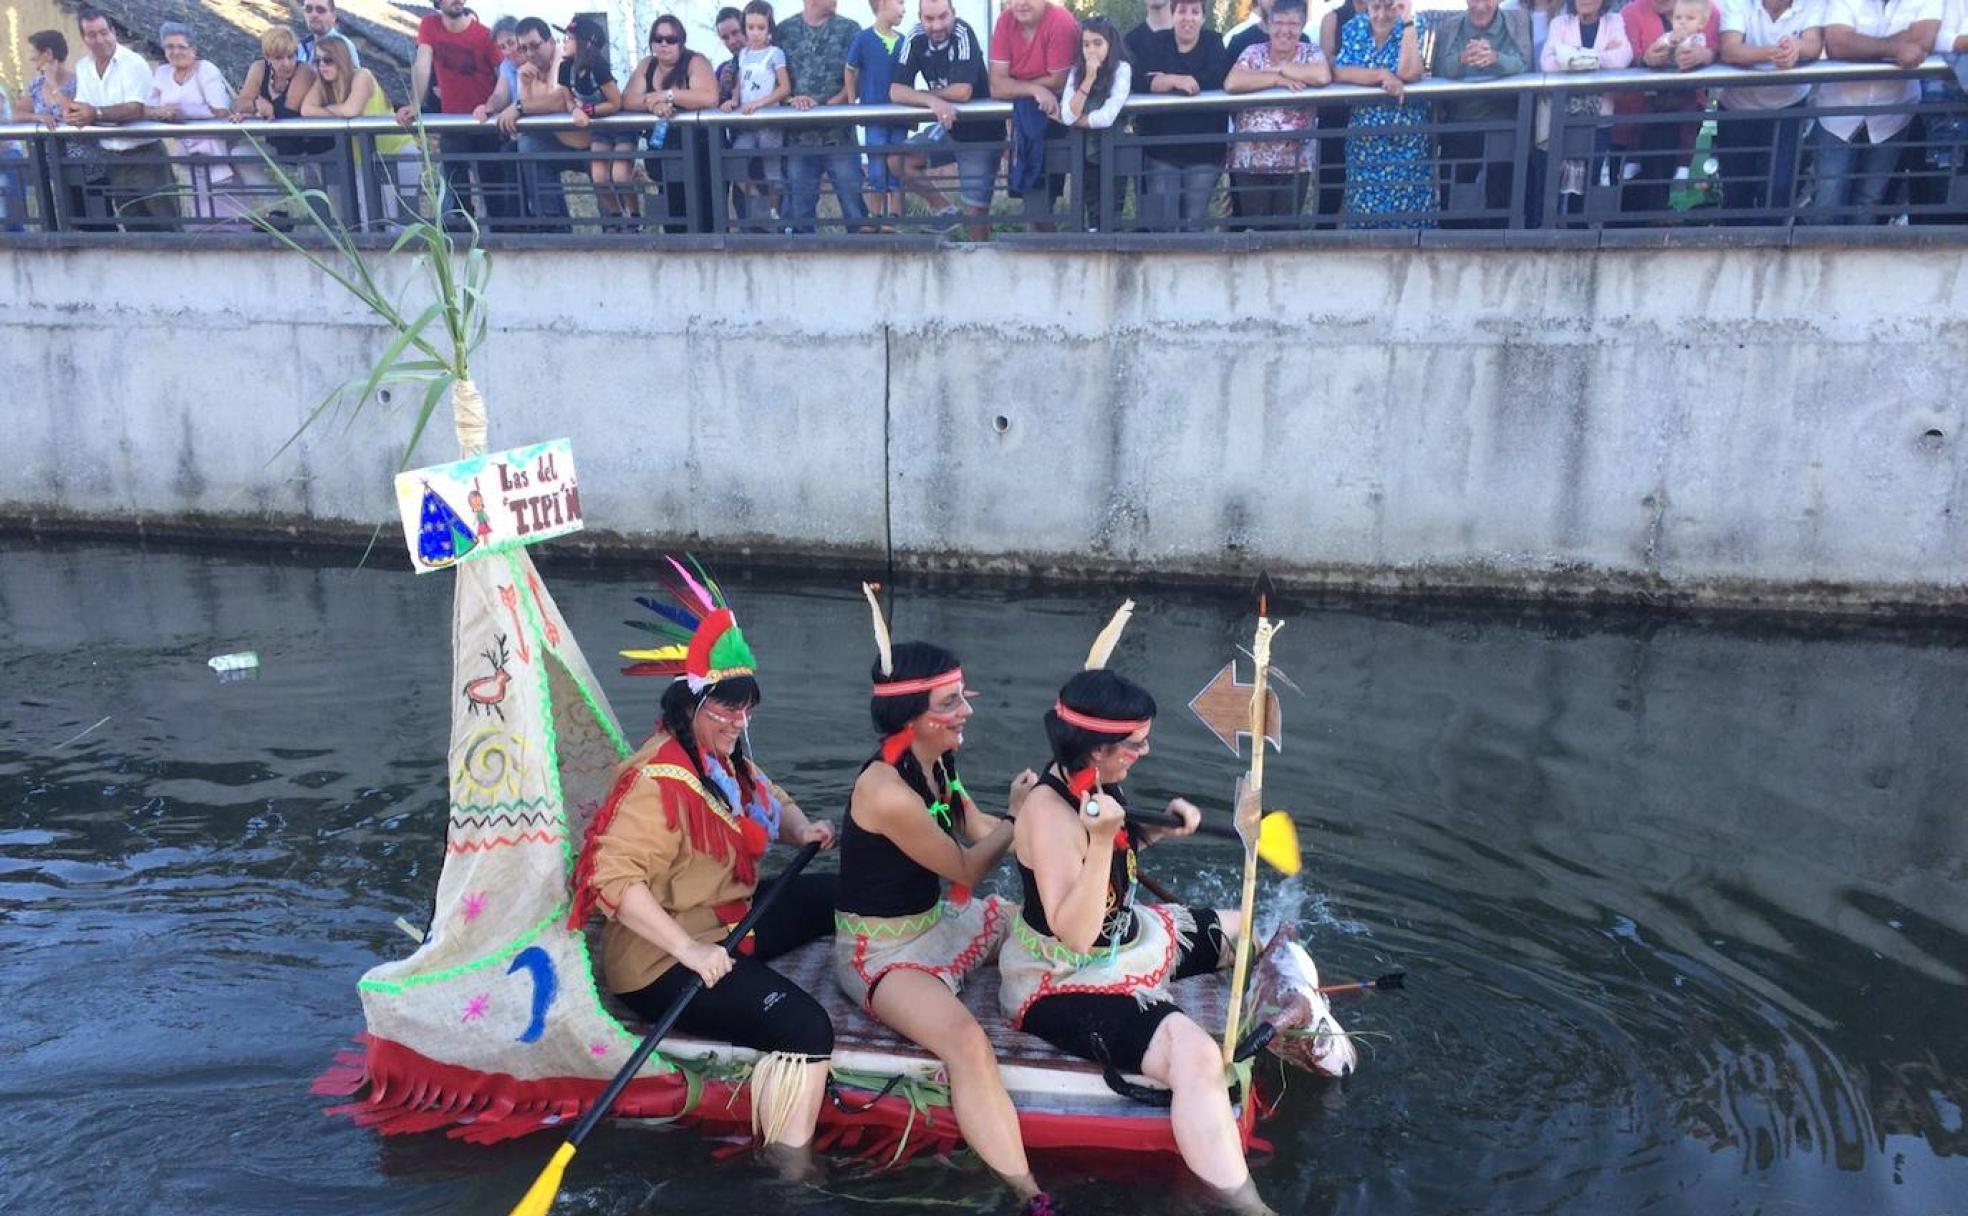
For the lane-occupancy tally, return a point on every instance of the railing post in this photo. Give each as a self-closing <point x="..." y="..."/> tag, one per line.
<point x="1520" y="164"/>
<point x="719" y="219"/>
<point x="1110" y="178"/>
<point x="693" y="175"/>
<point x="1550" y="211"/>
<point x="50" y="188"/>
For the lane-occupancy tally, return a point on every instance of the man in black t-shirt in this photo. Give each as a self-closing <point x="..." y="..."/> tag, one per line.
<point x="943" y="63"/>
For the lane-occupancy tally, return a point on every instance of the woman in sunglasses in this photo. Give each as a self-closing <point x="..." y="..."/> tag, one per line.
<point x="902" y="946"/>
<point x="1088" y="969"/>
<point x="671" y="80"/>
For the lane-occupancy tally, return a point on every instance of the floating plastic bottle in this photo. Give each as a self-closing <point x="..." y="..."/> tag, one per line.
<point x="243" y="665"/>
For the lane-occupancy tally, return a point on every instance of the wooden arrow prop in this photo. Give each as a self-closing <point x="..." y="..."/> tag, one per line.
<point x="1224" y="705"/>
<point x="1260" y="705"/>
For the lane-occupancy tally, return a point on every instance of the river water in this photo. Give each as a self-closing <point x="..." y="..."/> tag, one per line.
<point x="1682" y="904"/>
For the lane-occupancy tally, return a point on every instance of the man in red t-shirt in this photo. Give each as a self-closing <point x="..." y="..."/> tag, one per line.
<point x="1033" y="46"/>
<point x="462" y="54"/>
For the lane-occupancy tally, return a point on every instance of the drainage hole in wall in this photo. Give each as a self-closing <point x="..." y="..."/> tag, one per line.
<point x="1000" y="424"/>
<point x="384" y="396"/>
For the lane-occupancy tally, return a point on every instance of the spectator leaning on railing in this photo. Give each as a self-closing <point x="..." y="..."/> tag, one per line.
<point x="1755" y="142"/>
<point x="815" y="41"/>
<point x="1483" y="43"/>
<point x="1269" y="178"/>
<point x="1586" y="38"/>
<point x="674" y="80"/>
<point x="543" y="154"/>
<point x="459" y="52"/>
<point x="1389" y="183"/>
<point x="45" y="99"/>
<point x="589" y="81"/>
<point x="1857" y="156"/>
<point x="1659" y="151"/>
<point x="943" y="64"/>
<point x="187" y="88"/>
<point x="1033" y="46"/>
<point x="274" y="89"/>
<point x="343" y="90"/>
<point x="1179" y="179"/>
<point x="1097" y="87"/>
<point x="764" y="82"/>
<point x="111" y="84"/>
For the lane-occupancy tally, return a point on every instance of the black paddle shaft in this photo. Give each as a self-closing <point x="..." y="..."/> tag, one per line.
<point x="675" y="1011"/>
<point x="1223" y="830"/>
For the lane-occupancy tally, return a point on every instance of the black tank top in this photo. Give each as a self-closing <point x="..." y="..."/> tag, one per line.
<point x="876" y="877"/>
<point x="1118" y="924"/>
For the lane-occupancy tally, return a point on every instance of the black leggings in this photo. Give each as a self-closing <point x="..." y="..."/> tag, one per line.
<point x="755" y="1006"/>
<point x="1116" y="1029"/>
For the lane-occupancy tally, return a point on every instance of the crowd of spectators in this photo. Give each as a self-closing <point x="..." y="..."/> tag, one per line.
<point x="1396" y="161"/>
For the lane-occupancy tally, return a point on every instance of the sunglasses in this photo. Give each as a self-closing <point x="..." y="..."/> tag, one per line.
<point x="666" y="40"/>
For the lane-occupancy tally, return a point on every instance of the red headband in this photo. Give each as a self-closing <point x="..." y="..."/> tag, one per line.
<point x="1099" y="726"/>
<point x="905" y="688"/>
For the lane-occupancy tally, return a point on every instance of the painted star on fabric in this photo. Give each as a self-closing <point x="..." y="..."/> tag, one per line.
<point x="476" y="1007"/>
<point x="474" y="905"/>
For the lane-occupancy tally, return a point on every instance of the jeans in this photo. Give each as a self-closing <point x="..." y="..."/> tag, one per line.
<point x="539" y="176"/>
<point x="842" y="165"/>
<point x="1757" y="150"/>
<point x="1177" y="197"/>
<point x="1851" y="174"/>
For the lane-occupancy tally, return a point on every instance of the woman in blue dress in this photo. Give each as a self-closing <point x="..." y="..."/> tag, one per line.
<point x="1386" y="174"/>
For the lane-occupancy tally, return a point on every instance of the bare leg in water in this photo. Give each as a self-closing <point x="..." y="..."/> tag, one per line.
<point x="922" y="1009"/>
<point x="787" y="1118"/>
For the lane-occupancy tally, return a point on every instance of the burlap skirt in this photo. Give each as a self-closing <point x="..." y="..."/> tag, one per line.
<point x="1031" y="966"/>
<point x="949" y="942"/>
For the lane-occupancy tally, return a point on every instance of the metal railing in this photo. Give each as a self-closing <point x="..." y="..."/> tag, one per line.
<point x="1523" y="153"/>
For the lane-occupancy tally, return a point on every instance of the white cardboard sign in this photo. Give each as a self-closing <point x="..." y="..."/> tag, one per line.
<point x="488" y="504"/>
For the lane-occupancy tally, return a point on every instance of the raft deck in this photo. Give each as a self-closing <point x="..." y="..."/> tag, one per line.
<point x="1041" y="1080"/>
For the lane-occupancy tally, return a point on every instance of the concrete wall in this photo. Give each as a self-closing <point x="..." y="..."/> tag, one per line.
<point x="1744" y="425"/>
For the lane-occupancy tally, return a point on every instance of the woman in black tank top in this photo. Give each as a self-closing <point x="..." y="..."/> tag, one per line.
<point x="1087" y="967"/>
<point x="901" y="949"/>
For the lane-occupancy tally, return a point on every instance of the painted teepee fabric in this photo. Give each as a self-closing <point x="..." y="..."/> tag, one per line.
<point x="495" y="1023"/>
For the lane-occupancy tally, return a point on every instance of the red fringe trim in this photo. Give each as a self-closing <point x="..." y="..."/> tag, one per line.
<point x="410" y="1093"/>
<point x="584" y="894"/>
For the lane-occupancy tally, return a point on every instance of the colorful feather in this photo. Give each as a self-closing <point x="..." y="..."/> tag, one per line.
<point x="686" y="621"/>
<point x="717" y="592"/>
<point x="681" y="593"/>
<point x="696" y="588"/>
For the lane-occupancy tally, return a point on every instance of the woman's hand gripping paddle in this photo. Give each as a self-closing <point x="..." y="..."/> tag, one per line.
<point x="540" y="1196"/>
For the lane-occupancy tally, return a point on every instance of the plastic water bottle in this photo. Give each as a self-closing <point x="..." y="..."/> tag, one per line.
<point x="243" y="665"/>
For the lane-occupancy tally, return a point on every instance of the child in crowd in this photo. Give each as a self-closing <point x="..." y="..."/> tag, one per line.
<point x="593" y="93"/>
<point x="1685" y="27"/>
<point x="1097" y="86"/>
<point x="870" y="71"/>
<point x="763" y="82"/>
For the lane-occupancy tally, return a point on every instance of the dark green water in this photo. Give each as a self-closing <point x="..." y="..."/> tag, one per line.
<point x="1685" y="907"/>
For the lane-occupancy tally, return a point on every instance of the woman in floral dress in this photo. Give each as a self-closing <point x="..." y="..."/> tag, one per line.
<point x="1269" y="176"/>
<point x="1386" y="175"/>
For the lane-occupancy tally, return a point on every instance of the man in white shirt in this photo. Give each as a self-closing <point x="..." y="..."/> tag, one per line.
<point x="111" y="83"/>
<point x="1756" y="144"/>
<point x="1857" y="155"/>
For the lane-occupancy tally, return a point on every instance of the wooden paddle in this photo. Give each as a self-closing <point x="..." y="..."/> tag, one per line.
<point x="540" y="1196"/>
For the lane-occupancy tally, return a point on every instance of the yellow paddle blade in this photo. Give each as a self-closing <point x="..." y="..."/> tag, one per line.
<point x="1277" y="843"/>
<point x="540" y="1196"/>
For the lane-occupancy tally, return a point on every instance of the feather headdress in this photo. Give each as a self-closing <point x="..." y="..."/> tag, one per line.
<point x="700" y="636"/>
